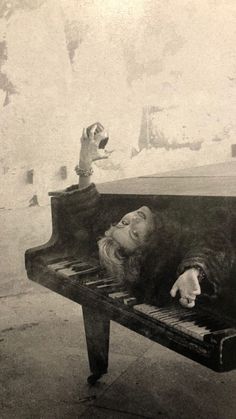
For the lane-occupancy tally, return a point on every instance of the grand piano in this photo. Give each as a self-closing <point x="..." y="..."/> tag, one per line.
<point x="68" y="264"/>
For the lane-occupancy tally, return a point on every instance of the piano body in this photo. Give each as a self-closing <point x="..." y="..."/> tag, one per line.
<point x="68" y="264"/>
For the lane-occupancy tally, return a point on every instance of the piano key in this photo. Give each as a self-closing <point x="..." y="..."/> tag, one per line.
<point x="172" y="317"/>
<point x="130" y="301"/>
<point x="110" y="287"/>
<point x="193" y="318"/>
<point x="165" y="314"/>
<point x="192" y="330"/>
<point x="84" y="265"/>
<point x="212" y="323"/>
<point x="186" y="319"/>
<point x="63" y="264"/>
<point x="107" y="277"/>
<point x="193" y="325"/>
<point x="85" y="269"/>
<point x="171" y="320"/>
<point x="118" y="295"/>
<point x="94" y="283"/>
<point x="60" y="265"/>
<point x="81" y="263"/>
<point x="179" y="320"/>
<point x="201" y="320"/>
<point x="63" y="259"/>
<point x="186" y="327"/>
<point x="144" y="308"/>
<point x="68" y="272"/>
<point x="155" y="313"/>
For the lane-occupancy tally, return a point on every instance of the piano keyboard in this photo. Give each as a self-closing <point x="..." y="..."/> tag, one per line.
<point x="193" y="322"/>
<point x="74" y="268"/>
<point x="88" y="275"/>
<point x="196" y="323"/>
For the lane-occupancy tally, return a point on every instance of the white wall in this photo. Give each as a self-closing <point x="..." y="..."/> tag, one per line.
<point x="178" y="55"/>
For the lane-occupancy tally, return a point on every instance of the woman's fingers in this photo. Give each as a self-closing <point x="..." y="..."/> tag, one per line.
<point x="190" y="304"/>
<point x="84" y="134"/>
<point x="187" y="299"/>
<point x="92" y="132"/>
<point x="196" y="288"/>
<point x="174" y="290"/>
<point x="185" y="302"/>
<point x="94" y="129"/>
<point x="190" y="295"/>
<point x="100" y="127"/>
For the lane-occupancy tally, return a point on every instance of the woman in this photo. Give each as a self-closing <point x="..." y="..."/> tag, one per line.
<point x="156" y="258"/>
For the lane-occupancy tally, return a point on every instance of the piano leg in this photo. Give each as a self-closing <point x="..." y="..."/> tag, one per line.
<point x="97" y="330"/>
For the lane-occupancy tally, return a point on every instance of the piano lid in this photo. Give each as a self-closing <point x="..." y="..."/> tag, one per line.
<point x="210" y="180"/>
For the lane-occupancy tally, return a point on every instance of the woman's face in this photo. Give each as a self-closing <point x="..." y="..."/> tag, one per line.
<point x="133" y="229"/>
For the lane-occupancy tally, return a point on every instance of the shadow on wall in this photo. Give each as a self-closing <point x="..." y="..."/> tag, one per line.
<point x="153" y="133"/>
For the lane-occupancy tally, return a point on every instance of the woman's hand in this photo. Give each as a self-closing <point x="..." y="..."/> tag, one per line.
<point x="188" y="287"/>
<point x="90" y="143"/>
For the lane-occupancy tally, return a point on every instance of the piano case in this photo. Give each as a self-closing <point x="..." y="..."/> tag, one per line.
<point x="68" y="265"/>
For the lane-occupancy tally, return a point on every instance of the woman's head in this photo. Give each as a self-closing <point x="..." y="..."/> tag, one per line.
<point x="127" y="240"/>
<point x="133" y="230"/>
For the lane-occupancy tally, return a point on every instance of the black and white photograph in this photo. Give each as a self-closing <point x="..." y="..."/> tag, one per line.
<point x="118" y="209"/>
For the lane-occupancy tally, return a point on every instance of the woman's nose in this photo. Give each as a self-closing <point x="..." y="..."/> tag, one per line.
<point x="135" y="220"/>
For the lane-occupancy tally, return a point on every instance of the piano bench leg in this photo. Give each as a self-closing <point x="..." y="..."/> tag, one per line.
<point x="97" y="330"/>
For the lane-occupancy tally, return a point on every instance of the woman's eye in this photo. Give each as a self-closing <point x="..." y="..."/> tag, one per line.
<point x="124" y="222"/>
<point x="141" y="214"/>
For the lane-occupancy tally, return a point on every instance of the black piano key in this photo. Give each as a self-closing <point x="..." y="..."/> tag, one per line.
<point x="192" y="330"/>
<point x="173" y="314"/>
<point x="81" y="265"/>
<point x="181" y="318"/>
<point x="209" y="321"/>
<point x="107" y="288"/>
<point x="195" y="320"/>
<point x="187" y="327"/>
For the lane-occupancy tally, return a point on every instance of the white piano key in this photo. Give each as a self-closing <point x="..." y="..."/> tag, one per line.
<point x="130" y="301"/>
<point x="68" y="272"/>
<point x="144" y="308"/>
<point x="59" y="265"/>
<point x="94" y="283"/>
<point x="64" y="263"/>
<point x="85" y="267"/>
<point x="118" y="295"/>
<point x="112" y="286"/>
<point x="192" y="330"/>
<point x="184" y="326"/>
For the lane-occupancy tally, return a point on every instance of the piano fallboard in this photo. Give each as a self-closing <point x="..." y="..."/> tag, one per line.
<point x="199" y="334"/>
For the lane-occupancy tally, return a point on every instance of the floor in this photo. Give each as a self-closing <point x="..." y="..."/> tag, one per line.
<point x="44" y="368"/>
